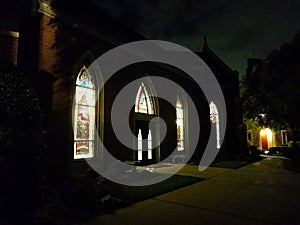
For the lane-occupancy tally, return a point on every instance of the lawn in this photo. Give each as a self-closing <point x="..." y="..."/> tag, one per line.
<point x="132" y="194"/>
<point x="234" y="164"/>
<point x="86" y="198"/>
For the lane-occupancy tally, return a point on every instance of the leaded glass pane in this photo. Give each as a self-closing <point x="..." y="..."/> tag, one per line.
<point x="179" y="122"/>
<point x="84" y="116"/>
<point x="84" y="79"/>
<point x="83" y="149"/>
<point x="85" y="96"/>
<point x="214" y="120"/>
<point x="143" y="102"/>
<point x="84" y="124"/>
<point x="213" y="108"/>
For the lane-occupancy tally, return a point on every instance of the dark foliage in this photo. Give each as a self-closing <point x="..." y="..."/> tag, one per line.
<point x="272" y="92"/>
<point x="22" y="147"/>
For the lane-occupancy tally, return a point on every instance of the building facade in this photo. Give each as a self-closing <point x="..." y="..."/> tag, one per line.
<point x="55" y="44"/>
<point x="263" y="137"/>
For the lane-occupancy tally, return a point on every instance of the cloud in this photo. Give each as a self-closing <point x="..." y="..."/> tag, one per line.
<point x="233" y="27"/>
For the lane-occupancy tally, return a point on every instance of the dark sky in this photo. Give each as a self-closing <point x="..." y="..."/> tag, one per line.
<point x="233" y="27"/>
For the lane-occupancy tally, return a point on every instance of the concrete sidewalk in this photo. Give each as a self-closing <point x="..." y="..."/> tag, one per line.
<point x="260" y="193"/>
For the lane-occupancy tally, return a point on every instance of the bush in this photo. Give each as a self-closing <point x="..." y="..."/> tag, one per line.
<point x="22" y="148"/>
<point x="274" y="150"/>
<point x="288" y="151"/>
<point x="254" y="153"/>
<point x="291" y="144"/>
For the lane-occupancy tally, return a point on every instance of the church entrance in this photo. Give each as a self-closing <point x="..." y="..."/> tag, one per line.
<point x="145" y="155"/>
<point x="143" y="113"/>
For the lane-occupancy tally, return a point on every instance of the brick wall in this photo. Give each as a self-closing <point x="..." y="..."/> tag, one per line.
<point x="9" y="47"/>
<point x="47" y="53"/>
<point x="50" y="61"/>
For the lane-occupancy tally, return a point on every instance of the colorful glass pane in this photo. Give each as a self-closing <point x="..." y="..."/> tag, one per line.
<point x="84" y="116"/>
<point x="213" y="108"/>
<point x="143" y="102"/>
<point x="83" y="149"/>
<point x="84" y="79"/>
<point x="214" y="119"/>
<point x="85" y="96"/>
<point x="179" y="122"/>
<point x="84" y="128"/>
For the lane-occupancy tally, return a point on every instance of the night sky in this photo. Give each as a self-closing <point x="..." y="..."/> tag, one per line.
<point x="233" y="27"/>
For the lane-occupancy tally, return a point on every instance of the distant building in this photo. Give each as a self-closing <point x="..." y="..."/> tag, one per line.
<point x="54" y="44"/>
<point x="263" y="137"/>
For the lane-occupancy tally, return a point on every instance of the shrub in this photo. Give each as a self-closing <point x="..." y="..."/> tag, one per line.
<point x="22" y="148"/>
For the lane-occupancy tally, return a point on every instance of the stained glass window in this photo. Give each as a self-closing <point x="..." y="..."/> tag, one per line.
<point x="140" y="145"/>
<point x="179" y="122"/>
<point x="143" y="102"/>
<point x="214" y="120"/>
<point x="84" y="116"/>
<point x="149" y="145"/>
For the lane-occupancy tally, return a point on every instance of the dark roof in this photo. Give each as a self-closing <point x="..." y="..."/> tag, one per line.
<point x="84" y="15"/>
<point x="216" y="64"/>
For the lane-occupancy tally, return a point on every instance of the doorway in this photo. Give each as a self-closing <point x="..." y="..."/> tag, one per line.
<point x="145" y="154"/>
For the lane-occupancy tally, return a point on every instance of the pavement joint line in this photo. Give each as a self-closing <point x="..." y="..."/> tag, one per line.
<point x="221" y="173"/>
<point x="206" y="209"/>
<point x="269" y="171"/>
<point x="253" y="184"/>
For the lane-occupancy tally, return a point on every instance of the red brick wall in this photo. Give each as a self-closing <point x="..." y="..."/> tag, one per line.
<point x="50" y="61"/>
<point x="9" y="48"/>
<point x="47" y="53"/>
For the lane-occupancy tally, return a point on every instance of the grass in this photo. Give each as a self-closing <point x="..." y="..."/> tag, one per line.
<point x="132" y="194"/>
<point x="82" y="197"/>
<point x="231" y="164"/>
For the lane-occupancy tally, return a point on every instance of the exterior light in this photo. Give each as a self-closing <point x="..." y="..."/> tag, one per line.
<point x="262" y="132"/>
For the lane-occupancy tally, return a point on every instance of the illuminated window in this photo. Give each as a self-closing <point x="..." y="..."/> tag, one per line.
<point x="284" y="139"/>
<point x="143" y="102"/>
<point x="149" y="145"/>
<point x="179" y="122"/>
<point x="250" y="136"/>
<point x="214" y="120"/>
<point x="140" y="145"/>
<point x="84" y="116"/>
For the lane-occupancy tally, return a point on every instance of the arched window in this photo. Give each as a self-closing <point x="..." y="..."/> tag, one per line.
<point x="214" y="120"/>
<point x="179" y="122"/>
<point x="84" y="115"/>
<point x="143" y="102"/>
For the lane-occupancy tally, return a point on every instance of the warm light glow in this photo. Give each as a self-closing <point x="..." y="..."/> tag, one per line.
<point x="143" y="102"/>
<point x="266" y="136"/>
<point x="262" y="115"/>
<point x="262" y="132"/>
<point x="214" y="120"/>
<point x="269" y="134"/>
<point x="84" y="116"/>
<point x="140" y="145"/>
<point x="149" y="145"/>
<point x="179" y="123"/>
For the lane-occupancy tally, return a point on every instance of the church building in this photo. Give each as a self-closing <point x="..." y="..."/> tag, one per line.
<point x="54" y="43"/>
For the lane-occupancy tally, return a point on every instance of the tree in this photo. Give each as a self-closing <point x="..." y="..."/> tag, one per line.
<point x="22" y="147"/>
<point x="272" y="94"/>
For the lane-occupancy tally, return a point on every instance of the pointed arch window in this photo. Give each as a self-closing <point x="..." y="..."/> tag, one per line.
<point x="143" y="102"/>
<point x="179" y="123"/>
<point x="84" y="115"/>
<point x="214" y="120"/>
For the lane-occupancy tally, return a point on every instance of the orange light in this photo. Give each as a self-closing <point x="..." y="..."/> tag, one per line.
<point x="262" y="132"/>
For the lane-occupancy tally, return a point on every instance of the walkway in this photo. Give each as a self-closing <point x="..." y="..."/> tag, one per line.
<point x="260" y="193"/>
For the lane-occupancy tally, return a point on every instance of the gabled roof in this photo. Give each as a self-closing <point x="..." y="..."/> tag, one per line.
<point x="217" y="65"/>
<point x="85" y="16"/>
